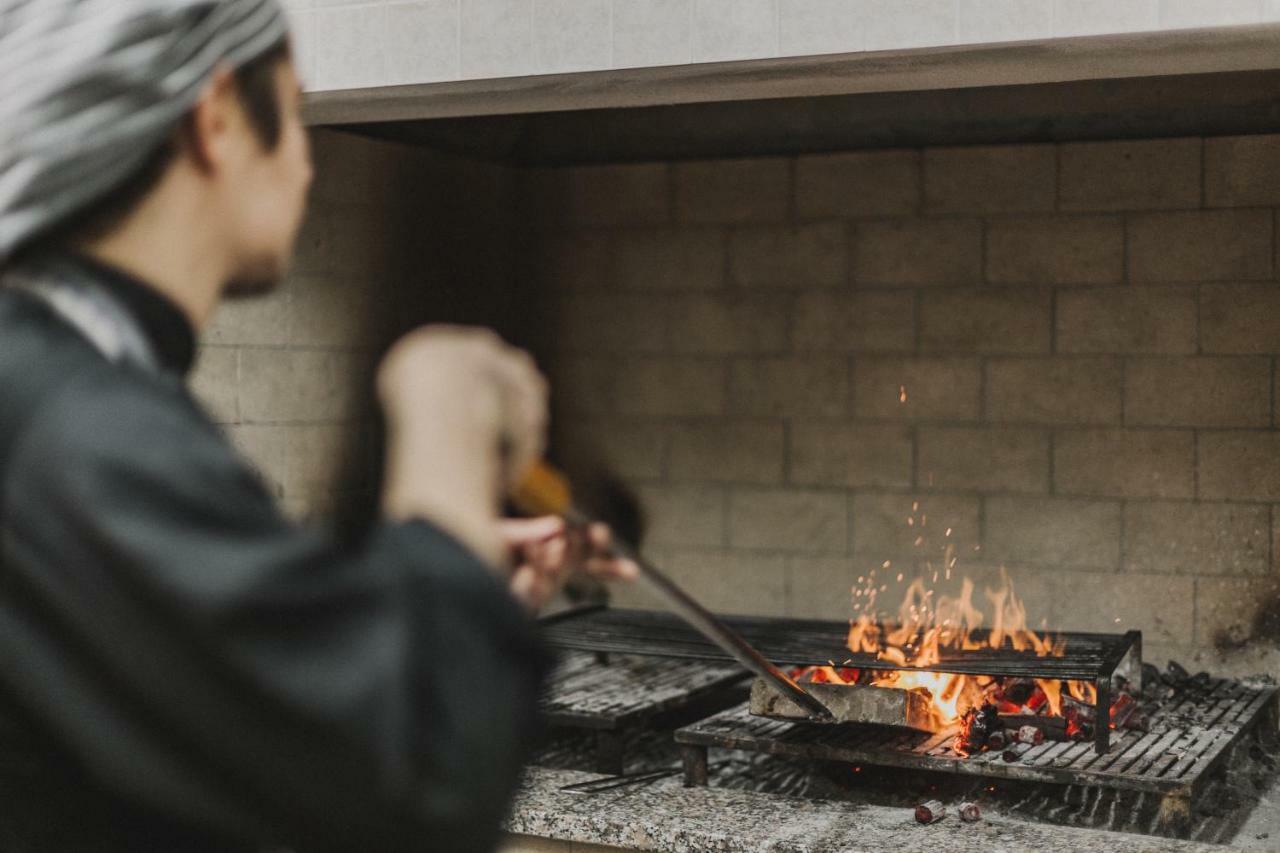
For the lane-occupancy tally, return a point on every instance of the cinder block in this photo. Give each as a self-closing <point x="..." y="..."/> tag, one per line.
<point x="813" y="255"/>
<point x="729" y="323"/>
<point x="671" y="386"/>
<point x="1198" y="391"/>
<point x="1242" y="171"/>
<point x="1054" y="532"/>
<point x="733" y="191"/>
<point x="610" y="323"/>
<point x="987" y="320"/>
<point x="917" y="252"/>
<point x="1138" y="320"/>
<point x="1054" y="390"/>
<point x="867" y="321"/>
<point x="813" y="385"/>
<point x="1154" y="174"/>
<point x="990" y="179"/>
<point x="858" y="183"/>
<point x="622" y="194"/>
<point x="916" y="389"/>
<point x="1197" y="538"/>
<point x="789" y="519"/>
<point x="1226" y="607"/>
<point x="734" y="582"/>
<point x="727" y="452"/>
<point x="302" y="385"/>
<point x="1124" y="463"/>
<point x="1201" y="245"/>
<point x="326" y="459"/>
<point x="338" y="312"/>
<point x="671" y="259"/>
<point x="836" y="453"/>
<point x="1240" y="318"/>
<point x="911" y="529"/>
<point x="1162" y="607"/>
<point x="1056" y="250"/>
<point x="631" y="449"/>
<point x="264" y="321"/>
<point x="983" y="459"/>
<point x="1240" y="465"/>
<point x="583" y="260"/>
<point x="688" y="516"/>
<point x="819" y="587"/>
<point x="263" y="447"/>
<point x="582" y="386"/>
<point x="216" y="381"/>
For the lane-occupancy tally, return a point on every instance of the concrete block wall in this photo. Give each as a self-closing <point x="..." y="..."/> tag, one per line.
<point x="358" y="43"/>
<point x="390" y="241"/>
<point x="816" y="371"/>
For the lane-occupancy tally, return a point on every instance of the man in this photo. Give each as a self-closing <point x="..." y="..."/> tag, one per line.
<point x="182" y="669"/>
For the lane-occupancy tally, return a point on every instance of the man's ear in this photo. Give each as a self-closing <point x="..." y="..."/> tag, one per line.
<point x="212" y="121"/>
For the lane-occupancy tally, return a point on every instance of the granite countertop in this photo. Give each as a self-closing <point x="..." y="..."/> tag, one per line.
<point x="667" y="817"/>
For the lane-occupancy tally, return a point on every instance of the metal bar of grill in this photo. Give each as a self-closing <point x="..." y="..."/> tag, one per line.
<point x="801" y="642"/>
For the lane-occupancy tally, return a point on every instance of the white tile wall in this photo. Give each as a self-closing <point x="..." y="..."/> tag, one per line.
<point x="910" y="23"/>
<point x="1004" y="20"/>
<point x="421" y="41"/>
<point x="497" y="38"/>
<point x="809" y="27"/>
<point x="734" y="29"/>
<point x="1203" y="13"/>
<point x="354" y="43"/>
<point x="652" y="32"/>
<point x="1090" y="17"/>
<point x="571" y="35"/>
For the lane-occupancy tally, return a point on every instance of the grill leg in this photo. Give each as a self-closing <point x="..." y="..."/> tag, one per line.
<point x="695" y="765"/>
<point x="609" y="753"/>
<point x="1102" y="720"/>
<point x="1174" y="818"/>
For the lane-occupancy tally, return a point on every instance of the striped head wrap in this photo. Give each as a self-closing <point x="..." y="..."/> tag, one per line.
<point x="89" y="89"/>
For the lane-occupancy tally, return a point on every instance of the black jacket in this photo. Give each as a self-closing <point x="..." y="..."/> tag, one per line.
<point x="182" y="668"/>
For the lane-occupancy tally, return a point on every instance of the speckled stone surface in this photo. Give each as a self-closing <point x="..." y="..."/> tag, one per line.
<point x="670" y="818"/>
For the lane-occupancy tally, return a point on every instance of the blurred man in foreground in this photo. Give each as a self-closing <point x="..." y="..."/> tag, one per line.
<point x="183" y="669"/>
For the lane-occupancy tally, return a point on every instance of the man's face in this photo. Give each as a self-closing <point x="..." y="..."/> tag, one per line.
<point x="267" y="195"/>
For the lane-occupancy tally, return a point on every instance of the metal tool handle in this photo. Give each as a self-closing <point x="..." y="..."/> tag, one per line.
<point x="711" y="626"/>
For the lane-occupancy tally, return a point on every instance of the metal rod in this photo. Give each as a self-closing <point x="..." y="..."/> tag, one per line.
<point x="711" y="627"/>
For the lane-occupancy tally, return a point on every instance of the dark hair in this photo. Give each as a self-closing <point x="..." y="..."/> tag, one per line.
<point x="255" y="84"/>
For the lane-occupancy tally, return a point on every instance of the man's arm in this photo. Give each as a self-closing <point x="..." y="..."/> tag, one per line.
<point x="198" y="654"/>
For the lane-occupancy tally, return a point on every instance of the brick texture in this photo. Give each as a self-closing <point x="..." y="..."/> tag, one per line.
<point x="790" y="386"/>
<point x="868" y="321"/>
<point x="926" y="389"/>
<point x="1240" y="318"/>
<point x="918" y="252"/>
<point x="870" y="183"/>
<point x="1127" y="320"/>
<point x="1210" y="245"/>
<point x="813" y="255"/>
<point x="990" y="179"/>
<point x="1124" y="463"/>
<point x="986" y="321"/>
<point x="1056" y="250"/>
<point x="728" y="451"/>
<point x="986" y="460"/>
<point x="733" y="191"/>
<point x="1131" y="175"/>
<point x="839" y="454"/>
<point x="791" y="519"/>
<point x="1049" y="391"/>
<point x="1204" y="392"/>
<point x="1197" y="538"/>
<point x="1240" y="465"/>
<point x="1053" y="532"/>
<point x="1242" y="171"/>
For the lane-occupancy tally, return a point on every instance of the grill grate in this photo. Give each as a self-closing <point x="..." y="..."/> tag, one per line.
<point x="801" y="642"/>
<point x="613" y="696"/>
<point x="1190" y="737"/>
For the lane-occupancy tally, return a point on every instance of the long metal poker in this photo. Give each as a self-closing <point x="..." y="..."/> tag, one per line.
<point x="545" y="491"/>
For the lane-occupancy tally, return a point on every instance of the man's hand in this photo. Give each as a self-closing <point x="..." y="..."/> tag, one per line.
<point x="466" y="417"/>
<point x="546" y="551"/>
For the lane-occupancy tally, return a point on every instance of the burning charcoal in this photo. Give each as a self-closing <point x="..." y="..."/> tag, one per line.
<point x="930" y="812"/>
<point x="970" y="813"/>
<point x="1082" y="711"/>
<point x="1052" y="728"/>
<point x="977" y="728"/>
<point x="1175" y="674"/>
<point x="997" y="740"/>
<point x="1018" y="691"/>
<point x="1124" y="707"/>
<point x="1015" y="752"/>
<point x="1038" y="699"/>
<point x="1029" y="734"/>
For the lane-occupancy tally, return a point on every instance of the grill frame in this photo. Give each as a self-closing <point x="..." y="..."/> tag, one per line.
<point x="1091" y="657"/>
